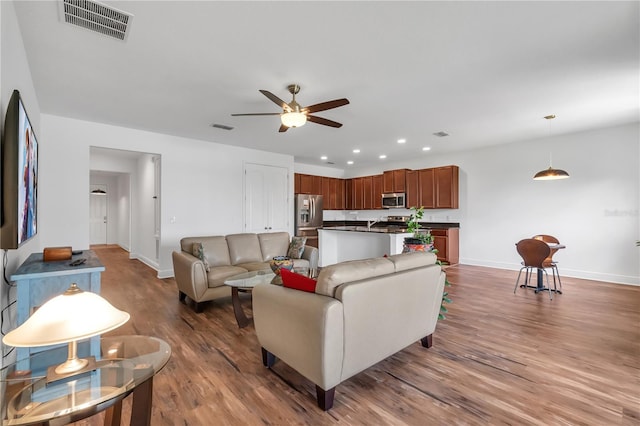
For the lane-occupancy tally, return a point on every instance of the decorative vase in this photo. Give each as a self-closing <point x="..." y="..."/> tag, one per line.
<point x="279" y="262"/>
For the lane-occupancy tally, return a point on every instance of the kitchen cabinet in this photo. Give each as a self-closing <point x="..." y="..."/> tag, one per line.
<point x="377" y="191"/>
<point x="358" y="193"/>
<point x="426" y="190"/>
<point x="328" y="193"/>
<point x="348" y="194"/>
<point x="367" y="192"/>
<point x="446" y="241"/>
<point x="446" y="187"/>
<point x="340" y="199"/>
<point x="412" y="192"/>
<point x="308" y="184"/>
<point x="394" y="180"/>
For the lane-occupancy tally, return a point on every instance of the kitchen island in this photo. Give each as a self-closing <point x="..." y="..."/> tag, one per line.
<point x="353" y="240"/>
<point x="341" y="243"/>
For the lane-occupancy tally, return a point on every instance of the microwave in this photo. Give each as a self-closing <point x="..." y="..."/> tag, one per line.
<point x="393" y="201"/>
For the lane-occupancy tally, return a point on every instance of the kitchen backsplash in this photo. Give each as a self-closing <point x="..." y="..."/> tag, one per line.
<point x="429" y="215"/>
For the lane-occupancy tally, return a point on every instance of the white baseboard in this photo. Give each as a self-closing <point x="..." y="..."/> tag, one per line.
<point x="573" y="273"/>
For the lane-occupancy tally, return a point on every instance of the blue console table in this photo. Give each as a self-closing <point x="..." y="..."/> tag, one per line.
<point x="39" y="281"/>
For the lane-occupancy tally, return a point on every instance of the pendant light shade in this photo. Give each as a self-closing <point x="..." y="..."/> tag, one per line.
<point x="550" y="173"/>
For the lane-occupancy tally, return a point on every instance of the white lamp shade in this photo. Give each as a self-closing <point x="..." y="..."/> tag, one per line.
<point x="65" y="318"/>
<point x="293" y="119"/>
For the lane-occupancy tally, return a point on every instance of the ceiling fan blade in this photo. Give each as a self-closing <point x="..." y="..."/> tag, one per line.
<point x="257" y="113"/>
<point x="326" y="105"/>
<point x="276" y="100"/>
<point x="320" y="120"/>
<point x="283" y="128"/>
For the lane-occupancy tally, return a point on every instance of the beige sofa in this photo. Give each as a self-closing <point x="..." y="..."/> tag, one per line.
<point x="228" y="256"/>
<point x="362" y="312"/>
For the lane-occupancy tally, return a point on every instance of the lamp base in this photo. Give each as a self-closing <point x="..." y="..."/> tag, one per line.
<point x="70" y="368"/>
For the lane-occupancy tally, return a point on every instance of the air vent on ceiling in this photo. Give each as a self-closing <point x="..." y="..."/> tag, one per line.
<point x="222" y="126"/>
<point x="97" y="17"/>
<point x="441" y="134"/>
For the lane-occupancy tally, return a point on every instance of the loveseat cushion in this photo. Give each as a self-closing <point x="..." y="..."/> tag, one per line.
<point x="218" y="275"/>
<point x="244" y="248"/>
<point x="273" y="244"/>
<point x="416" y="259"/>
<point x="215" y="249"/>
<point x="355" y="270"/>
<point x="254" y="266"/>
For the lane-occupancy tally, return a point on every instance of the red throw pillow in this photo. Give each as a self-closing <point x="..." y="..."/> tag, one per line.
<point x="297" y="281"/>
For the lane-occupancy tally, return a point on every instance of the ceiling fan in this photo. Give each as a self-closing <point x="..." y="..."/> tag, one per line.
<point x="294" y="115"/>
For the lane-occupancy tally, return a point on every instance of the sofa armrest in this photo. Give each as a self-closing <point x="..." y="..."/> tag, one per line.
<point x="304" y="330"/>
<point x="311" y="254"/>
<point x="190" y="275"/>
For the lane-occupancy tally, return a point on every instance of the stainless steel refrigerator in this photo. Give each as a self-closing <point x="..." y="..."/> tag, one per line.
<point x="308" y="217"/>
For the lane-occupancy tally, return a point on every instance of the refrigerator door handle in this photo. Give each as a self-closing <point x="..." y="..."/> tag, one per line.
<point x="313" y="208"/>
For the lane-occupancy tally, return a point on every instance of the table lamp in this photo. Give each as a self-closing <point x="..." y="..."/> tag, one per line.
<point x="67" y="318"/>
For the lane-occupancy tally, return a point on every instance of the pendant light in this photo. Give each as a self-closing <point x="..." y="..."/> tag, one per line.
<point x="550" y="173"/>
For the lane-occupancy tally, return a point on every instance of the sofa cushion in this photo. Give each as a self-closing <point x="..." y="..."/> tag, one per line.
<point x="244" y="248"/>
<point x="355" y="270"/>
<point x="217" y="275"/>
<point x="297" y="281"/>
<point x="296" y="247"/>
<point x="416" y="259"/>
<point x="215" y="249"/>
<point x="198" y="251"/>
<point x="254" y="266"/>
<point x="273" y="244"/>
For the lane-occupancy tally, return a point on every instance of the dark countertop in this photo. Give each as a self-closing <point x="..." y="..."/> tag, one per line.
<point x="374" y="229"/>
<point x="391" y="227"/>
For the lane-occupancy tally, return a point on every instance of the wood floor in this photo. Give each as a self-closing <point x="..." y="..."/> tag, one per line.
<point x="498" y="358"/>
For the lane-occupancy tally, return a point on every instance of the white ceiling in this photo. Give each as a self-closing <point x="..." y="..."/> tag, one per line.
<point x="485" y="72"/>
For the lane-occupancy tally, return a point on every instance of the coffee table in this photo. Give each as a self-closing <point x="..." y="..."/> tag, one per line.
<point x="244" y="283"/>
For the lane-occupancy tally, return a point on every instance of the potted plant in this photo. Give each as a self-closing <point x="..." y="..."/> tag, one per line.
<point x="420" y="241"/>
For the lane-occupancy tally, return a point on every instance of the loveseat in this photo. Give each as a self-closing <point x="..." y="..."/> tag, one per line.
<point x="228" y="256"/>
<point x="360" y="313"/>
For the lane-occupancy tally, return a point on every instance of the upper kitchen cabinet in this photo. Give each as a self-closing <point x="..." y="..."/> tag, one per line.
<point x="333" y="193"/>
<point x="394" y="180"/>
<point x="307" y="184"/>
<point x="412" y="192"/>
<point x="446" y="187"/>
<point x="377" y="191"/>
<point x="426" y="188"/>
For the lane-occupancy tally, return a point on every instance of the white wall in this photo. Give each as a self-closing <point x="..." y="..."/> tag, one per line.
<point x="202" y="182"/>
<point x="595" y="212"/>
<point x="15" y="74"/>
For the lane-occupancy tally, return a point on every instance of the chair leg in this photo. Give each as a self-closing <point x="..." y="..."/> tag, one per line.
<point x="555" y="267"/>
<point x="325" y="397"/>
<point x="547" y="275"/>
<point x="268" y="359"/>
<point x="518" y="280"/>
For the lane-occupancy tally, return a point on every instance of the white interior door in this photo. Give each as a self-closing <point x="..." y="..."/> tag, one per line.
<point x="98" y="215"/>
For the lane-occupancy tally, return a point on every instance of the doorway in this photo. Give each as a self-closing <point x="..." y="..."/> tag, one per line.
<point x="98" y="214"/>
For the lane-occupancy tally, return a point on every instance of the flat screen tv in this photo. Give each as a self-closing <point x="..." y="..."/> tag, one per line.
<point x="19" y="176"/>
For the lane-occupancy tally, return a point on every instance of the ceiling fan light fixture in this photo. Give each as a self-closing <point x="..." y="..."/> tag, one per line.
<point x="293" y="119"/>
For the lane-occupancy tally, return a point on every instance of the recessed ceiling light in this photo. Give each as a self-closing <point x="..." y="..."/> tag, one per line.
<point x="382" y="157"/>
<point x="402" y="140"/>
<point x="349" y="162"/>
<point x="356" y="151"/>
<point x="324" y="157"/>
<point x="426" y="148"/>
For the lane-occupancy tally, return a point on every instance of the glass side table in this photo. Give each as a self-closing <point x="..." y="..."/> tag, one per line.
<point x="126" y="365"/>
